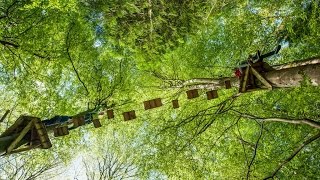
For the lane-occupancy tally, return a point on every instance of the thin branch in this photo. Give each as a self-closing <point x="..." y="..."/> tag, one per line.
<point x="70" y="59"/>
<point x="294" y="153"/>
<point x="255" y="152"/>
<point x="5" y="43"/>
<point x="242" y="143"/>
<point x="308" y="122"/>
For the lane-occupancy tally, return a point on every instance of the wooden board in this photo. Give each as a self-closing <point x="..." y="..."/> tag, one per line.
<point x="212" y="94"/>
<point x="192" y="93"/>
<point x="158" y="102"/>
<point x="43" y="134"/>
<point x="153" y="103"/>
<point x="244" y="80"/>
<point x="82" y="121"/>
<point x="65" y="130"/>
<point x="175" y="104"/>
<point x="132" y="115"/>
<point x="55" y="132"/>
<point x="129" y="115"/>
<point x="78" y="121"/>
<point x="60" y="131"/>
<point x="110" y="114"/>
<point x="146" y="105"/>
<point x="126" y="116"/>
<point x="75" y="122"/>
<point x="228" y="84"/>
<point x="96" y="123"/>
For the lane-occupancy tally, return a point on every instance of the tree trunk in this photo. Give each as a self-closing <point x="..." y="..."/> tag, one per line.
<point x="292" y="77"/>
<point x="289" y="75"/>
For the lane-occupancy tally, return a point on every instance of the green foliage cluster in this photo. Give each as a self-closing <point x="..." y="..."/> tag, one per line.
<point x="64" y="57"/>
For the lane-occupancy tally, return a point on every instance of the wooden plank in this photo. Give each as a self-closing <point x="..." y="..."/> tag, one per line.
<point x="132" y="115"/>
<point x="25" y="149"/>
<point x="212" y="94"/>
<point x="195" y="93"/>
<point x="152" y="104"/>
<point x="21" y="135"/>
<point x="209" y="95"/>
<point x="126" y="116"/>
<point x="82" y="121"/>
<point x="129" y="115"/>
<point x="75" y="122"/>
<point x="261" y="79"/>
<point x="96" y="123"/>
<point x="55" y="132"/>
<point x="43" y="134"/>
<point x="175" y="104"/>
<point x="147" y="105"/>
<point x="252" y="81"/>
<point x="192" y="93"/>
<point x="78" y="121"/>
<point x="33" y="136"/>
<point x="189" y="94"/>
<point x="65" y="130"/>
<point x="110" y="114"/>
<point x="228" y="84"/>
<point x="60" y="131"/>
<point x="158" y="102"/>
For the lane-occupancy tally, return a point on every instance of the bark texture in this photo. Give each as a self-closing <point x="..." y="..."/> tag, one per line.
<point x="288" y="75"/>
<point x="292" y="77"/>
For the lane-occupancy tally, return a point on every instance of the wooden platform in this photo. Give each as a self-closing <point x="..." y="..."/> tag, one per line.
<point x="25" y="134"/>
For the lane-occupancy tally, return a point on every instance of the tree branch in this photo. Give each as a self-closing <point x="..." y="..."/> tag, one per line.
<point x="70" y="59"/>
<point x="242" y="141"/>
<point x="5" y="43"/>
<point x="294" y="153"/>
<point x="308" y="122"/>
<point x="255" y="152"/>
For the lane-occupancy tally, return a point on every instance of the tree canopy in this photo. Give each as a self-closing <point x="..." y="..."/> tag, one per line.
<point x="65" y="57"/>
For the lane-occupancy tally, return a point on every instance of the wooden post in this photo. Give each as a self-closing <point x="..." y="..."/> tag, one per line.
<point x="244" y="80"/>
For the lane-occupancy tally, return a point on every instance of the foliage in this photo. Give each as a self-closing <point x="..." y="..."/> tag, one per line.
<point x="64" y="57"/>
